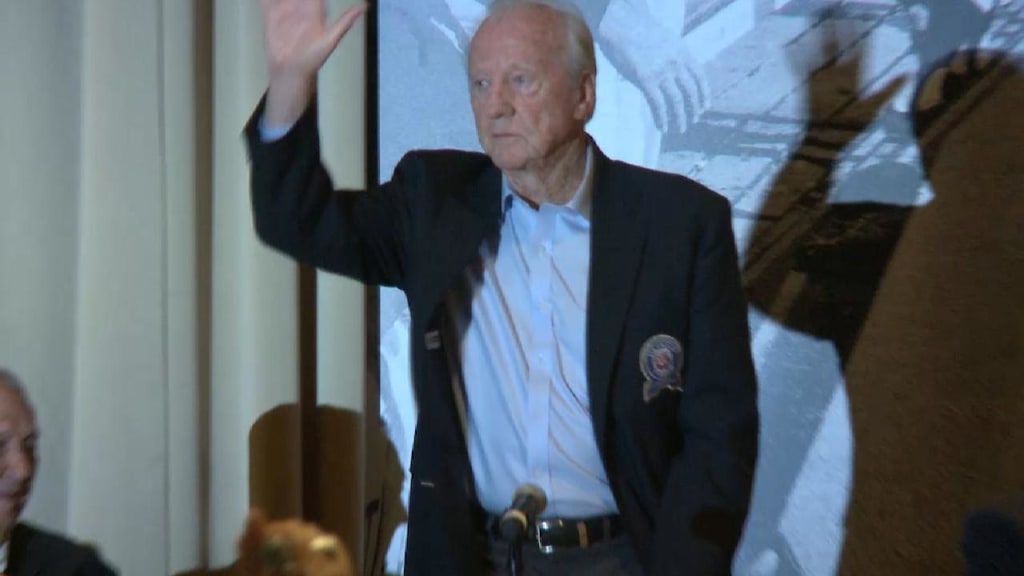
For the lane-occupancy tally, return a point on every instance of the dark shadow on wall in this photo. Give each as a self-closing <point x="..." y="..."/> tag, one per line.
<point x="814" y="266"/>
<point x="918" y="300"/>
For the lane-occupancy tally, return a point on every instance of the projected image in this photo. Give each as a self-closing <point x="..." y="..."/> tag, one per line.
<point x="817" y="120"/>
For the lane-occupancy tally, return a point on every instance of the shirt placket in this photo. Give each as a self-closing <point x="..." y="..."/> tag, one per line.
<point x="542" y="356"/>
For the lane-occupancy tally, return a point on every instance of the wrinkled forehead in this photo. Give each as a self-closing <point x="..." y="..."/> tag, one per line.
<point x="521" y="32"/>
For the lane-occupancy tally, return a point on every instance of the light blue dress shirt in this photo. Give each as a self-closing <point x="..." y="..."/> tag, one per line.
<point x="521" y="315"/>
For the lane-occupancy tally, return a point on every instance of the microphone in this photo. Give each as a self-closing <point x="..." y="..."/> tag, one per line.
<point x="528" y="501"/>
<point x="993" y="543"/>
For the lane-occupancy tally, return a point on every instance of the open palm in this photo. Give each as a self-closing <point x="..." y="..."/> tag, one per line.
<point x="298" y="39"/>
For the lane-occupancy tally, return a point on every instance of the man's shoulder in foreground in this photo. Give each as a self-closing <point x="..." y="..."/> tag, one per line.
<point x="45" y="553"/>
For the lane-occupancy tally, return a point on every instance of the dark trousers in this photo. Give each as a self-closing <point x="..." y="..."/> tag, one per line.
<point x="611" y="558"/>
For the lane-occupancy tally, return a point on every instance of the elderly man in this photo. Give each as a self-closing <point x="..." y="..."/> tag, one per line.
<point x="577" y="323"/>
<point x="27" y="550"/>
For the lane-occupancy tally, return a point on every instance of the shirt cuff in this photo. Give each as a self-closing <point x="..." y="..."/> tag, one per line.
<point x="270" y="133"/>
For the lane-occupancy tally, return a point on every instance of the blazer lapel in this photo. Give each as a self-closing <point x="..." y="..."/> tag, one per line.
<point x="463" y="222"/>
<point x="618" y="235"/>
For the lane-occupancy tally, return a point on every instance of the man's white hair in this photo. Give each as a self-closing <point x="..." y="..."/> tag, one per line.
<point x="579" y="39"/>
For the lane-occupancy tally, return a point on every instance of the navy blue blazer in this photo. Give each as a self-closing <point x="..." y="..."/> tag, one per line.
<point x="663" y="262"/>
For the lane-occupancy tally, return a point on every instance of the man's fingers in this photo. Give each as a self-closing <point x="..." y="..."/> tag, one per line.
<point x="659" y="107"/>
<point x="343" y="23"/>
<point x="703" y="91"/>
<point x="879" y="99"/>
<point x="679" y="105"/>
<point x="692" y="95"/>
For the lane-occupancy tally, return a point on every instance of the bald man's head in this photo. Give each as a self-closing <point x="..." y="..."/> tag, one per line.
<point x="18" y="436"/>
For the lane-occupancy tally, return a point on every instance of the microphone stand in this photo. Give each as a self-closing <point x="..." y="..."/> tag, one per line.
<point x="515" y="557"/>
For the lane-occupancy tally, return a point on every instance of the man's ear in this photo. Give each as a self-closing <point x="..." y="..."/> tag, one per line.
<point x="587" y="97"/>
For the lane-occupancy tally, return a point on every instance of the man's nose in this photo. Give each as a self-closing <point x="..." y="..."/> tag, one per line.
<point x="499" y="104"/>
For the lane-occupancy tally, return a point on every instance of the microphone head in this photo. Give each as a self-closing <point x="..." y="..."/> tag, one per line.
<point x="524" y="491"/>
<point x="528" y="501"/>
<point x="993" y="543"/>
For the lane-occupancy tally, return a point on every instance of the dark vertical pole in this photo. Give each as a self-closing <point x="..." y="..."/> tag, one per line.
<point x="309" y="429"/>
<point x="203" y="70"/>
<point x="371" y="403"/>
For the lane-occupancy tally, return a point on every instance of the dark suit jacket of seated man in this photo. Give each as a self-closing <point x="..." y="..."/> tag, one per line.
<point x="25" y="549"/>
<point x="36" y="552"/>
<point x="663" y="378"/>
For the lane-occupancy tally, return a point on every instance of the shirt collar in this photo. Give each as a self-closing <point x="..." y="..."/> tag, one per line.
<point x="4" y="553"/>
<point x="580" y="202"/>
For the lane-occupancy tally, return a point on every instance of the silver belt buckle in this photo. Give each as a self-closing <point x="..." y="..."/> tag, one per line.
<point x="544" y="525"/>
<point x="581" y="529"/>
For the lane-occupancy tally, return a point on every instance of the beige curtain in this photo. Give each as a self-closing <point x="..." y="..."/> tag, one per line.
<point x="165" y="348"/>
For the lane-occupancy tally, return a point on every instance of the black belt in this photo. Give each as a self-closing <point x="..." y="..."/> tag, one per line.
<point x="551" y="534"/>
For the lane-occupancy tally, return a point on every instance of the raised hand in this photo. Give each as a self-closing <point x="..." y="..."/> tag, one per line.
<point x="835" y="65"/>
<point x="298" y="39"/>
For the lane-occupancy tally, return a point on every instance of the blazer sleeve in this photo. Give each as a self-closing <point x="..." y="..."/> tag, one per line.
<point x="362" y="234"/>
<point x="707" y="494"/>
